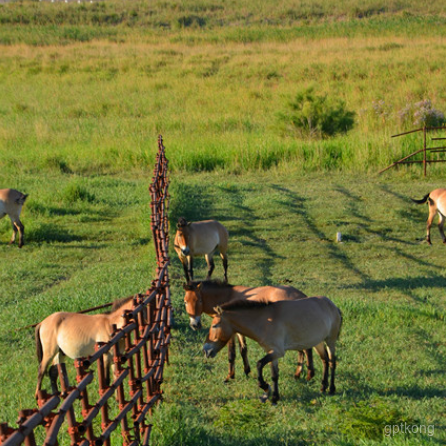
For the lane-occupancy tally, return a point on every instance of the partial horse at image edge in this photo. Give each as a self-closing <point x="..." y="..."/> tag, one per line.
<point x="11" y="203"/>
<point x="437" y="205"/>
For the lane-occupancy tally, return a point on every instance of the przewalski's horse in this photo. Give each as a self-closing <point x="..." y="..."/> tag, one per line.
<point x="198" y="239"/>
<point x="11" y="202"/>
<point x="75" y="335"/>
<point x="437" y="205"/>
<point x="278" y="327"/>
<point x="203" y="297"/>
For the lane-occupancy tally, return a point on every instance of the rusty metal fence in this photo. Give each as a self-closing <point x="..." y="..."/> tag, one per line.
<point x="138" y="371"/>
<point x="425" y="150"/>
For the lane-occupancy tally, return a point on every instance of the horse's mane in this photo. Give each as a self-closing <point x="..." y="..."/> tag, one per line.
<point x="216" y="283"/>
<point x="243" y="304"/>
<point x="117" y="304"/>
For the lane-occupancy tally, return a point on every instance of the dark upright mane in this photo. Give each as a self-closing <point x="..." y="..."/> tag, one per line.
<point x="243" y="304"/>
<point x="117" y="304"/>
<point x="208" y="284"/>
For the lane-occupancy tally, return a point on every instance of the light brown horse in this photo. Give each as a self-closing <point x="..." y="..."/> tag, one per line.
<point x="11" y="202"/>
<point x="75" y="335"/>
<point x="198" y="239"/>
<point x="437" y="205"/>
<point x="203" y="297"/>
<point x="278" y="327"/>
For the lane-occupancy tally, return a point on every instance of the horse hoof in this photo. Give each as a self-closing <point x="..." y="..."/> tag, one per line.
<point x="264" y="398"/>
<point x="310" y="375"/>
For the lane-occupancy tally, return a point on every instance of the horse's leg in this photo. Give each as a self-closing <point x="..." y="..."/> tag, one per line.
<point x="18" y="224"/>
<point x="332" y="361"/>
<point x="300" y="362"/>
<point x="211" y="265"/>
<point x="54" y="372"/>
<point x="310" y="364"/>
<point x="231" y="359"/>
<point x="244" y="354"/>
<point x="430" y="219"/>
<point x="322" y="352"/>
<point x="261" y="382"/>
<point x="46" y="351"/>
<point x="14" y="232"/>
<point x="441" y="226"/>
<point x="186" y="270"/>
<point x="224" y="257"/>
<point x="190" y="261"/>
<point x="275" y="378"/>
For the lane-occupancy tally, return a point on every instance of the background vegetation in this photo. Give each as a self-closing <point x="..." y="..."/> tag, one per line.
<point x="84" y="91"/>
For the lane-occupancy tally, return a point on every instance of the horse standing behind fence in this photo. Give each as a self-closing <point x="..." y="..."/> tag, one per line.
<point x="198" y="239"/>
<point x="437" y="205"/>
<point x="203" y="297"/>
<point x="11" y="202"/>
<point x="278" y="327"/>
<point x="75" y="335"/>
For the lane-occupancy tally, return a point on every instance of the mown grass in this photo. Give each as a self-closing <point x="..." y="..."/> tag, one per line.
<point x="389" y="284"/>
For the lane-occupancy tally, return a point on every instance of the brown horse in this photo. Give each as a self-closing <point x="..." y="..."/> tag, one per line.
<point x="278" y="327"/>
<point x="437" y="205"/>
<point x="11" y="202"/>
<point x="203" y="297"/>
<point x="75" y="335"/>
<point x="198" y="239"/>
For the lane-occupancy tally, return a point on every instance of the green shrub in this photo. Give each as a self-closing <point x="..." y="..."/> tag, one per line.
<point x="317" y="116"/>
<point x="74" y="192"/>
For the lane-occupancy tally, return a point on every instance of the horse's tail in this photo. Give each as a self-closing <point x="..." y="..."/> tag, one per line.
<point x="39" y="349"/>
<point x="21" y="200"/>
<point x="423" y="200"/>
<point x="340" y="324"/>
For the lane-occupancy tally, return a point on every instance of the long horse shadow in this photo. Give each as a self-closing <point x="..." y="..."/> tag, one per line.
<point x="249" y="236"/>
<point x="298" y="206"/>
<point x="411" y="211"/>
<point x="353" y="210"/>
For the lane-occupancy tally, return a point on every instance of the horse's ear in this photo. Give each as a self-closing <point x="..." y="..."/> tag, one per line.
<point x="218" y="310"/>
<point x="199" y="286"/>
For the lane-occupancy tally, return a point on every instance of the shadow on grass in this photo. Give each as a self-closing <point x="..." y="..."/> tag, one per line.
<point x="51" y="233"/>
<point x="245" y="230"/>
<point x="298" y="206"/>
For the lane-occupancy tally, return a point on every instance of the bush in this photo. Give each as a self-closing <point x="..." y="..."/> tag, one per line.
<point x="421" y="114"/>
<point x="312" y="115"/>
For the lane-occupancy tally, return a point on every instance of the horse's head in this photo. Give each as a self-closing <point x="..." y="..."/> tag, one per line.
<point x="219" y="334"/>
<point x="194" y="304"/>
<point x="182" y="236"/>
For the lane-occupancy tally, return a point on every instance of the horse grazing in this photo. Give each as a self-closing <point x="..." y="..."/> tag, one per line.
<point x="203" y="297"/>
<point x="75" y="335"/>
<point x="201" y="238"/>
<point x="11" y="202"/>
<point x="437" y="205"/>
<point x="278" y="327"/>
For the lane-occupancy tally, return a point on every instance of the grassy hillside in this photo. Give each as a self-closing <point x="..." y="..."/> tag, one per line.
<point x="87" y="96"/>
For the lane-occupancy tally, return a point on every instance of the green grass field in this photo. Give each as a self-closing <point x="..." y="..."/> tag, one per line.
<point x="84" y="92"/>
